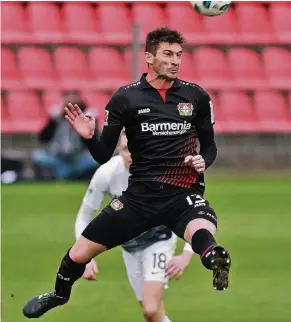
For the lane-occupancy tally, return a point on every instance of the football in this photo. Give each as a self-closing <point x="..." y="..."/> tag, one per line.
<point x="210" y="8"/>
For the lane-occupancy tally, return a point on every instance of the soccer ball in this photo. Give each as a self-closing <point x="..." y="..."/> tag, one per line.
<point x="210" y="8"/>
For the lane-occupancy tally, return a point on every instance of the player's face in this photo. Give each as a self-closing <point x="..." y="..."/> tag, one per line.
<point x="123" y="150"/>
<point x="166" y="63"/>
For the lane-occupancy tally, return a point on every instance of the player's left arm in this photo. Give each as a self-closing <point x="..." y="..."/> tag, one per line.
<point x="179" y="263"/>
<point x="205" y="130"/>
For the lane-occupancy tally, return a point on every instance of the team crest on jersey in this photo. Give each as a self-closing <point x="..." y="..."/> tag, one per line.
<point x="106" y="117"/>
<point x="185" y="109"/>
<point x="116" y="204"/>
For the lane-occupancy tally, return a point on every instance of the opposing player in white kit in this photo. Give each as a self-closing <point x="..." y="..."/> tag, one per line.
<point x="148" y="258"/>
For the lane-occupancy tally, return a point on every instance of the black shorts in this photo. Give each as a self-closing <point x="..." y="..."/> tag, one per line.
<point x="145" y="205"/>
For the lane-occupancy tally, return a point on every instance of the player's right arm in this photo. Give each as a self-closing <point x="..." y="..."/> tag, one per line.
<point x="101" y="148"/>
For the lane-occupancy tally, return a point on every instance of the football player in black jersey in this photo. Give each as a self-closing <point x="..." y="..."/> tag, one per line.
<point x="164" y="117"/>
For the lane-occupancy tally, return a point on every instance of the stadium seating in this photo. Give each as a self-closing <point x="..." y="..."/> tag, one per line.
<point x="128" y="62"/>
<point x="212" y="69"/>
<point x="96" y="105"/>
<point x="247" y="69"/>
<point x="72" y="68"/>
<point x="5" y="118"/>
<point x="187" y="69"/>
<point x="36" y="68"/>
<point x="115" y="24"/>
<point x="176" y="13"/>
<point x="281" y="22"/>
<point x="221" y="29"/>
<point x="25" y="111"/>
<point x="14" y="27"/>
<point x="10" y="76"/>
<point x="45" y="22"/>
<point x="107" y="68"/>
<point x="51" y="98"/>
<point x="272" y="112"/>
<point x="277" y="64"/>
<point x="253" y="23"/>
<point x="81" y="23"/>
<point x="48" y="47"/>
<point x="149" y="15"/>
<point x="237" y="113"/>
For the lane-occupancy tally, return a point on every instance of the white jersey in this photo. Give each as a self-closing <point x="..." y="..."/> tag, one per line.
<point x="112" y="178"/>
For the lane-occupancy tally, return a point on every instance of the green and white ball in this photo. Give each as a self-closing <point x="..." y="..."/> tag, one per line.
<point x="210" y="8"/>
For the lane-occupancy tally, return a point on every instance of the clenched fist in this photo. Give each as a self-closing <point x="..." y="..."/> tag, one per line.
<point x="197" y="162"/>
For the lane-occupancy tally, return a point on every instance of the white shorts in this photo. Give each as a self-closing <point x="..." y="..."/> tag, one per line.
<point x="149" y="264"/>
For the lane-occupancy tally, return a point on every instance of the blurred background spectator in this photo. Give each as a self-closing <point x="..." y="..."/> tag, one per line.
<point x="66" y="156"/>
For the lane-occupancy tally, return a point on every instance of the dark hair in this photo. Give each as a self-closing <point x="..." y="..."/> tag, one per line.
<point x="164" y="34"/>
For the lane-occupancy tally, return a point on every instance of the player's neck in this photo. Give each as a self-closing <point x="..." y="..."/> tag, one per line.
<point x="156" y="82"/>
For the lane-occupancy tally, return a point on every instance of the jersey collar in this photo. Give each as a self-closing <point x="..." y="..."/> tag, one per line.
<point x="145" y="84"/>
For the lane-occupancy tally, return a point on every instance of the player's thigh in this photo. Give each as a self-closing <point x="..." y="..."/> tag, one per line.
<point x="191" y="212"/>
<point x="134" y="272"/>
<point x="155" y="259"/>
<point x="118" y="223"/>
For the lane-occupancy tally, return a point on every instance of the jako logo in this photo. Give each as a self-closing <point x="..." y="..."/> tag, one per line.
<point x="144" y="110"/>
<point x="166" y="128"/>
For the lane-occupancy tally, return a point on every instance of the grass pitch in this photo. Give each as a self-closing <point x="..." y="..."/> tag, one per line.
<point x="254" y="213"/>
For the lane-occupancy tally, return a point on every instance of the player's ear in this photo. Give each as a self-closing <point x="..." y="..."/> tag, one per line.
<point x="149" y="58"/>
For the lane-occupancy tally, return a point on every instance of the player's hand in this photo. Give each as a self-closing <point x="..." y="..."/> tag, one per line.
<point x="176" y="267"/>
<point x="197" y="162"/>
<point x="90" y="271"/>
<point x="83" y="124"/>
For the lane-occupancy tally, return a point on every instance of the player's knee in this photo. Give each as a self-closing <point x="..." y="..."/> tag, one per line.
<point x="84" y="250"/>
<point x="150" y="310"/>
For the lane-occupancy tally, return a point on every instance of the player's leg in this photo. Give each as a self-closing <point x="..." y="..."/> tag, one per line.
<point x="197" y="225"/>
<point x="107" y="230"/>
<point x="155" y="260"/>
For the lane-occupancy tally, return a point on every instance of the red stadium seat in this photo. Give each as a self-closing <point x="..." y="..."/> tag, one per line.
<point x="218" y="117"/>
<point x="253" y="23"/>
<point x="14" y="23"/>
<point x="25" y="111"/>
<point x="247" y="69"/>
<point x="72" y="68"/>
<point x="289" y="104"/>
<point x="128" y="62"/>
<point x="187" y="69"/>
<point x="115" y="23"/>
<point x="191" y="27"/>
<point x="277" y="64"/>
<point x="36" y="68"/>
<point x="51" y="99"/>
<point x="281" y="22"/>
<point x="10" y="76"/>
<point x="107" y="68"/>
<point x="5" y="118"/>
<point x="45" y="22"/>
<point x="272" y="112"/>
<point x="81" y="23"/>
<point x="221" y="29"/>
<point x="96" y="105"/>
<point x="212" y="69"/>
<point x="237" y="112"/>
<point x="149" y="15"/>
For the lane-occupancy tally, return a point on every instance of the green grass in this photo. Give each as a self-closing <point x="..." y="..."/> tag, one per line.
<point x="254" y="223"/>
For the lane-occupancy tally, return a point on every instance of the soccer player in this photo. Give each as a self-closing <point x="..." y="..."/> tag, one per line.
<point x="147" y="256"/>
<point x="163" y="117"/>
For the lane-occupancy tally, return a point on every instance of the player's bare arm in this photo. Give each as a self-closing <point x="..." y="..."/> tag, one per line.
<point x="178" y="264"/>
